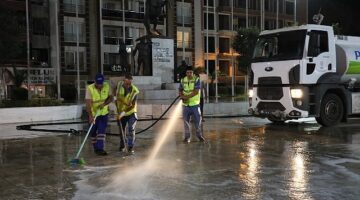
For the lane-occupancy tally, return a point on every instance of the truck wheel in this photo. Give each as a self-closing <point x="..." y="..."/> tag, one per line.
<point x="276" y="120"/>
<point x="331" y="110"/>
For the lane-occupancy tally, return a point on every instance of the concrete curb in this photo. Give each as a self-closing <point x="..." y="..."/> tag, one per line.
<point x="37" y="114"/>
<point x="145" y="111"/>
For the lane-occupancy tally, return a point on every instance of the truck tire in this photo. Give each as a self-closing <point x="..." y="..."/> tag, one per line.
<point x="276" y="120"/>
<point x="331" y="110"/>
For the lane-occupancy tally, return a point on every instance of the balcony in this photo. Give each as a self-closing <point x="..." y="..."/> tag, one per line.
<point x="119" y="13"/>
<point x="187" y="20"/>
<point x="115" y="40"/>
<point x="71" y="37"/>
<point x="187" y="44"/>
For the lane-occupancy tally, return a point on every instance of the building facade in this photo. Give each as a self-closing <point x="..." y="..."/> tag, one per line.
<point x="72" y="40"/>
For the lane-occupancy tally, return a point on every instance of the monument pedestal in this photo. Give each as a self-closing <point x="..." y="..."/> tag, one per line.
<point x="155" y="57"/>
<point x="163" y="59"/>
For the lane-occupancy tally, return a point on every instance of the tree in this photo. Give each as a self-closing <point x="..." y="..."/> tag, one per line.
<point x="10" y="32"/>
<point x="244" y="44"/>
<point x="18" y="77"/>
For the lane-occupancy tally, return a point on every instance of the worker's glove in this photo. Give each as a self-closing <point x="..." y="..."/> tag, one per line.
<point x="122" y="114"/>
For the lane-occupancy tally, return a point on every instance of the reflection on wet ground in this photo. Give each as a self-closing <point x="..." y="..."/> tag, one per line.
<point x="244" y="159"/>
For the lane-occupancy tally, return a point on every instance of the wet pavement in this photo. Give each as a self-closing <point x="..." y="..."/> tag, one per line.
<point x="245" y="158"/>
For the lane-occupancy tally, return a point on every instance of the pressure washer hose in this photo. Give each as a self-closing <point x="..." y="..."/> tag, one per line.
<point x="28" y="127"/>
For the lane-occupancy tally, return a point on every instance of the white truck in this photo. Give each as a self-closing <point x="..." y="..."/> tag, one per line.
<point x="305" y="71"/>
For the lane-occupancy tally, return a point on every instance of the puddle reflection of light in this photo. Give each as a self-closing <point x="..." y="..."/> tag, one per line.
<point x="248" y="171"/>
<point x="299" y="179"/>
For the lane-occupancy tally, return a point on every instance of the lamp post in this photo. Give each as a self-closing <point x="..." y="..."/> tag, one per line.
<point x="28" y="48"/>
<point x="77" y="51"/>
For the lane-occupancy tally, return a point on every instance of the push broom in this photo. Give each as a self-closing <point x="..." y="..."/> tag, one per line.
<point x="77" y="160"/>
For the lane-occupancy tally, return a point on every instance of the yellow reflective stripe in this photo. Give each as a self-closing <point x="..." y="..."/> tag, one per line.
<point x="99" y="101"/>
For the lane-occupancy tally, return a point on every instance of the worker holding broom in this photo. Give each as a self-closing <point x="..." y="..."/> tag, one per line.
<point x="97" y="98"/>
<point x="126" y="103"/>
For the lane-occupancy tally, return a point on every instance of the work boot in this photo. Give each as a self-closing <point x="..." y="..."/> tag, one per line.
<point x="122" y="148"/>
<point x="101" y="152"/>
<point x="186" y="141"/>
<point x="131" y="150"/>
<point x="202" y="139"/>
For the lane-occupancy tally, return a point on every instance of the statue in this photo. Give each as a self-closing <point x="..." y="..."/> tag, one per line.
<point x="144" y="56"/>
<point x="155" y="10"/>
<point x="125" y="66"/>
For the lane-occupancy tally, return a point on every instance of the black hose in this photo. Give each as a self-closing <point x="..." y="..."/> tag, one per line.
<point x="156" y="121"/>
<point x="28" y="127"/>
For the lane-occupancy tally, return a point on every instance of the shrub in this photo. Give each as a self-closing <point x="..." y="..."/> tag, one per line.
<point x="68" y="93"/>
<point x="37" y="102"/>
<point x="19" y="94"/>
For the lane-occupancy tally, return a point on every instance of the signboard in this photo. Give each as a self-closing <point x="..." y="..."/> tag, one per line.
<point x="118" y="68"/>
<point x="163" y="59"/>
<point x="42" y="76"/>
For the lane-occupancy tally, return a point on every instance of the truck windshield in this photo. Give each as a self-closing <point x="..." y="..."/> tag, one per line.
<point x="287" y="45"/>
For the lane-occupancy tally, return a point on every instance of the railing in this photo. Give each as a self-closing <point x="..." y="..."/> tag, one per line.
<point x="119" y="13"/>
<point x="71" y="37"/>
<point x="115" y="40"/>
<point x="187" y="20"/>
<point x="187" y="44"/>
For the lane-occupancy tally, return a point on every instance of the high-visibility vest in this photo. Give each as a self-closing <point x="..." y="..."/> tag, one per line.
<point x="188" y="88"/>
<point x="123" y="100"/>
<point x="99" y="97"/>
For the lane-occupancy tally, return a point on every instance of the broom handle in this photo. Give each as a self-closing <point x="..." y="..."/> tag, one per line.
<point x="87" y="135"/>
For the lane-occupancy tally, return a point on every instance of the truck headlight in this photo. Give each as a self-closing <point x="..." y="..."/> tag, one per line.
<point x="296" y="93"/>
<point x="251" y="93"/>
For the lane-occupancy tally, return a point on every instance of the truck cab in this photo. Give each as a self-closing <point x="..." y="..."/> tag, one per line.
<point x="294" y="74"/>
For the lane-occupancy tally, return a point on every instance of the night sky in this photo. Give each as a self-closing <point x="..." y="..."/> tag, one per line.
<point x="344" y="12"/>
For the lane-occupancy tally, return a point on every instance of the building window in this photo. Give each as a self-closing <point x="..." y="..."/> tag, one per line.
<point x="254" y="4"/>
<point x="40" y="26"/>
<point x="270" y="5"/>
<point x="70" y="6"/>
<point x="254" y="21"/>
<point x="183" y="9"/>
<point x="239" y="22"/>
<point x="224" y="45"/>
<point x="211" y="3"/>
<point x="281" y="23"/>
<point x="224" y="67"/>
<point x="112" y="58"/>
<point x="70" y="31"/>
<point x="270" y="24"/>
<point x="141" y="7"/>
<point x="112" y="35"/>
<point x="110" y="6"/>
<point x="71" y="61"/>
<point x="289" y="4"/>
<point x="187" y="43"/>
<point x="40" y="57"/>
<point x="179" y="58"/>
<point x="281" y="6"/>
<point x="211" y="21"/>
<point x="224" y="3"/>
<point x="240" y="3"/>
<point x="224" y="22"/>
<point x="211" y="45"/>
<point x="211" y="67"/>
